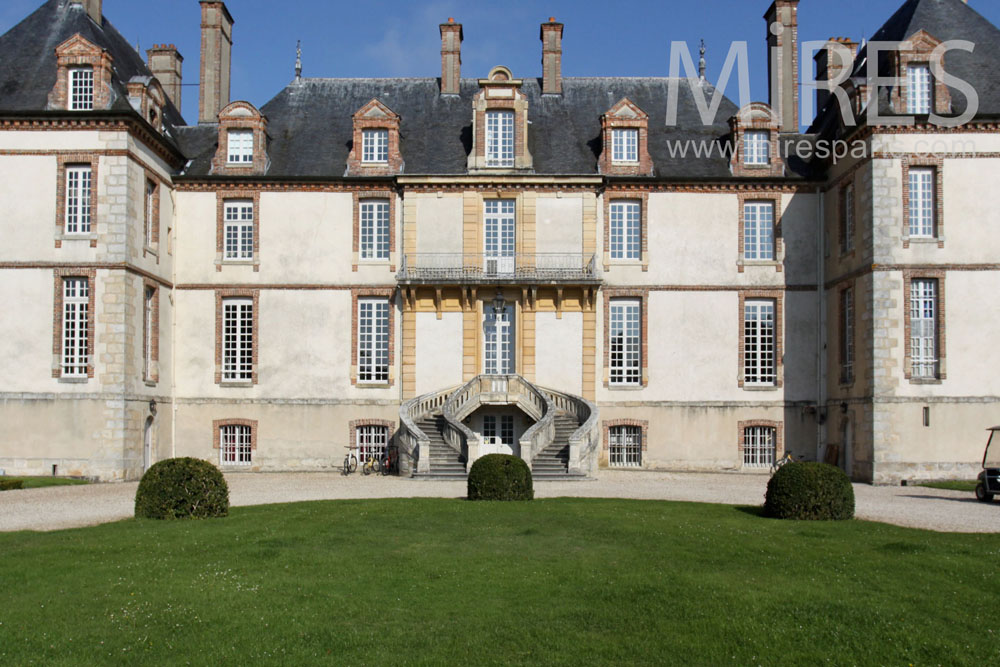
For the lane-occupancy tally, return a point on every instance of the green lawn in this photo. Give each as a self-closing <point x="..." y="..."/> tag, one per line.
<point x="952" y="485"/>
<point x="35" y="482"/>
<point x="567" y="581"/>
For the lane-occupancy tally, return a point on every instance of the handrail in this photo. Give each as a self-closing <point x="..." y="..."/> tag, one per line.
<point x="464" y="266"/>
<point x="585" y="438"/>
<point x="415" y="443"/>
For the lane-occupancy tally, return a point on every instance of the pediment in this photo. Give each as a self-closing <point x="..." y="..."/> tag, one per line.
<point x="626" y="109"/>
<point x="375" y="110"/>
<point x="78" y="45"/>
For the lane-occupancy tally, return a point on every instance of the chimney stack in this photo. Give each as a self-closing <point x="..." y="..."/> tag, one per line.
<point x="836" y="55"/>
<point x="92" y="7"/>
<point x="783" y="61"/>
<point x="451" y="57"/>
<point x="164" y="61"/>
<point x="551" y="35"/>
<point x="216" y="57"/>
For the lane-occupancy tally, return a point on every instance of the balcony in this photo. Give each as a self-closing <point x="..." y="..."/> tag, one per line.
<point x="535" y="268"/>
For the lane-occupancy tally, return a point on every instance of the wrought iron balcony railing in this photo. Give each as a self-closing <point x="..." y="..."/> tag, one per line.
<point x="462" y="267"/>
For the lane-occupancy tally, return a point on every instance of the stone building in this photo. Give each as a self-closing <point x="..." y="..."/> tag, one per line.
<point x="502" y="262"/>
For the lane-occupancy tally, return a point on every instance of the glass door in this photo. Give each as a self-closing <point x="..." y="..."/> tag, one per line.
<point x="498" y="252"/>
<point x="498" y="341"/>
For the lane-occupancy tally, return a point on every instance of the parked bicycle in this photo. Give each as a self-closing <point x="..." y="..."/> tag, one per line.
<point x="350" y="461"/>
<point x="372" y="465"/>
<point x="390" y="461"/>
<point x="787" y="458"/>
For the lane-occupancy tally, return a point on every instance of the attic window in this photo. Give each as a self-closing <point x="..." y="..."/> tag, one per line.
<point x="500" y="138"/>
<point x="756" y="147"/>
<point x="624" y="145"/>
<point x="81" y="89"/>
<point x="240" y="150"/>
<point x="918" y="80"/>
<point x="375" y="146"/>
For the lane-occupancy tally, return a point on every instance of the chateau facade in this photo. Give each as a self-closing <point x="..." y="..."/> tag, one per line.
<point x="511" y="262"/>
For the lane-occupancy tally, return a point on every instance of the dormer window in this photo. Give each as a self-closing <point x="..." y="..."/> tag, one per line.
<point x="918" y="81"/>
<point x="500" y="138"/>
<point x="757" y="147"/>
<point x="240" y="149"/>
<point x="625" y="145"/>
<point x="375" y="146"/>
<point x="81" y="89"/>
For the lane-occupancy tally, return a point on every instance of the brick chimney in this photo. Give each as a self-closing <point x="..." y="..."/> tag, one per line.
<point x="164" y="61"/>
<point x="93" y="8"/>
<point x="451" y="57"/>
<point x="216" y="57"/>
<point x="836" y="55"/>
<point x="783" y="61"/>
<point x="551" y="35"/>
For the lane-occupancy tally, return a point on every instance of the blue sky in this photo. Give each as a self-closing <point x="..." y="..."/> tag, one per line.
<point x="380" y="38"/>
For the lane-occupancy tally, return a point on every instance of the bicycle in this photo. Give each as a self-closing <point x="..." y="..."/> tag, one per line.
<point x="371" y="465"/>
<point x="389" y="461"/>
<point x="787" y="458"/>
<point x="350" y="461"/>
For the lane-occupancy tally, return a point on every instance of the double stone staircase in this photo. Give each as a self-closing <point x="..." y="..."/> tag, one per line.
<point x="561" y="445"/>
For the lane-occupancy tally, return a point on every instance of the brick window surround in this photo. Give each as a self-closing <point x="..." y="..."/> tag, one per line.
<point x="921" y="52"/>
<point x="367" y="292"/>
<point x="241" y="116"/>
<point x="221" y="197"/>
<point x="617" y="196"/>
<point x="77" y="51"/>
<point x="220" y="296"/>
<point x="153" y="246"/>
<point x="909" y="275"/>
<point x="608" y="424"/>
<point x="151" y="99"/>
<point x="778" y="297"/>
<point x="359" y="197"/>
<point x="498" y="92"/>
<point x="756" y="116"/>
<point x="352" y="428"/>
<point x="375" y="116"/>
<point x="937" y="164"/>
<point x="217" y="425"/>
<point x="779" y="436"/>
<point x="625" y="114"/>
<point x="57" y="317"/>
<point x="779" y="245"/>
<point x="152" y="374"/>
<point x="63" y="161"/>
<point x="642" y="295"/>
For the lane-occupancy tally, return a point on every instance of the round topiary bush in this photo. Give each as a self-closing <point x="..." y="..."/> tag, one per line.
<point x="809" y="491"/>
<point x="500" y="477"/>
<point x="182" y="488"/>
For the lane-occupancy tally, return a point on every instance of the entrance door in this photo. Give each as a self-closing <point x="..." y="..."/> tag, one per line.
<point x="498" y="341"/>
<point x="147" y="445"/>
<point x="499" y="243"/>
<point x="498" y="434"/>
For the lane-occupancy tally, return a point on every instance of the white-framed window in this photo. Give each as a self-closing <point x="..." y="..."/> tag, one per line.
<point x="759" y="366"/>
<point x="375" y="145"/>
<point x="624" y="144"/>
<point x="370" y="440"/>
<point x="498" y="431"/>
<point x="78" y="184"/>
<point x="924" y="328"/>
<point x="500" y="138"/>
<point x="758" y="230"/>
<point x="922" y="188"/>
<point x="847" y="220"/>
<point x="847" y="334"/>
<point x="759" y="444"/>
<point x="625" y="446"/>
<point x="75" y="322"/>
<point x="373" y="340"/>
<point x="499" y="235"/>
<point x="918" y="95"/>
<point x="238" y="230"/>
<point x="237" y="339"/>
<point x="240" y="148"/>
<point x="626" y="230"/>
<point x="756" y="147"/>
<point x="374" y="228"/>
<point x="81" y="89"/>
<point x="625" y="341"/>
<point x="235" y="445"/>
<point x="147" y="333"/>
<point x="148" y="212"/>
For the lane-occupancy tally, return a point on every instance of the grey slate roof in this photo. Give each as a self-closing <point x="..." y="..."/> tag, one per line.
<point x="944" y="20"/>
<point x="28" y="58"/>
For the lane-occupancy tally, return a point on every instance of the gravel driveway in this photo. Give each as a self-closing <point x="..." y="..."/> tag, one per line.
<point x="58" y="507"/>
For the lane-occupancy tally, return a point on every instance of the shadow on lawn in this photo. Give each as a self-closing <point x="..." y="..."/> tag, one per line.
<point x="752" y="510"/>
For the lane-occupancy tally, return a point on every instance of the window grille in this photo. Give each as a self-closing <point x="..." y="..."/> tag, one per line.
<point x="758" y="230"/>
<point x="625" y="444"/>
<point x="500" y="138"/>
<point x="240" y="149"/>
<point x="148" y="227"/>
<point x="923" y="328"/>
<point x="78" y="213"/>
<point x="75" y="321"/>
<point x="375" y="145"/>
<point x="373" y="340"/>
<point x="624" y="145"/>
<point x="374" y="232"/>
<point x="370" y="441"/>
<point x="922" y="203"/>
<point x="147" y="333"/>
<point x="918" y="96"/>
<point x="759" y="342"/>
<point x="238" y="230"/>
<point x="847" y="220"/>
<point x="847" y="335"/>
<point x="235" y="444"/>
<point x="759" y="444"/>
<point x="81" y="89"/>
<point x="626" y="235"/>
<point x="756" y="147"/>
<point x="625" y="340"/>
<point x="237" y="339"/>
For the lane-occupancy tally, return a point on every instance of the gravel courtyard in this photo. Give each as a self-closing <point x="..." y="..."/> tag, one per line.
<point x="52" y="508"/>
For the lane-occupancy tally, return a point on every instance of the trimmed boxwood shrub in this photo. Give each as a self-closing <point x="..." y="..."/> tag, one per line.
<point x="807" y="490"/>
<point x="181" y="488"/>
<point x="10" y="484"/>
<point x="500" y="477"/>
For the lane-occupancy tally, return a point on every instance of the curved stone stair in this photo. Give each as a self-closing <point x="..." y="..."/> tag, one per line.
<point x="552" y="463"/>
<point x="446" y="463"/>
